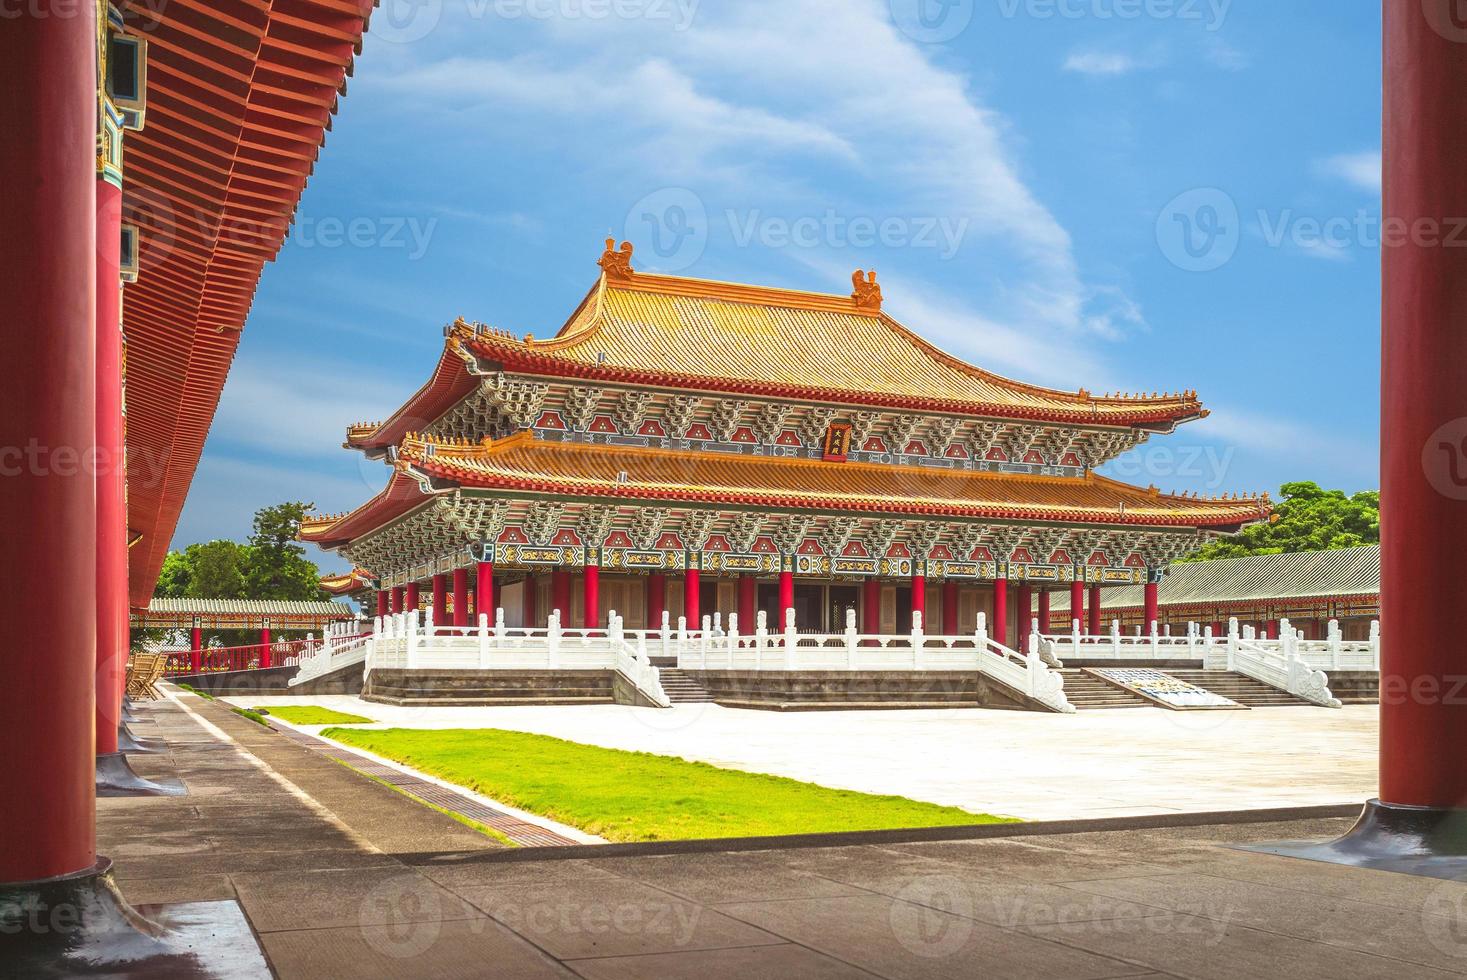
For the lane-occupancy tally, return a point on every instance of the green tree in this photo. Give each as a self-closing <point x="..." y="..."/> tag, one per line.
<point x="1306" y="518"/>
<point x="278" y="567"/>
<point x="270" y="565"/>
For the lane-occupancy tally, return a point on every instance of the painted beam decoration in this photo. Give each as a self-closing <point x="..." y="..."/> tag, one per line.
<point x="886" y="459"/>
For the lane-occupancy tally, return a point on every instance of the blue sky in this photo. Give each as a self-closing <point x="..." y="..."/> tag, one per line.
<point x="1123" y="195"/>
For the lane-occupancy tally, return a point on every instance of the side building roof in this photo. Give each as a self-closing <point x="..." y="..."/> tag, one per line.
<point x="1256" y="578"/>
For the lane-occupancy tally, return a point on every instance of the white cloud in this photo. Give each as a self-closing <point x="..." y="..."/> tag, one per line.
<point x="1363" y="170"/>
<point x="1279" y="437"/>
<point x="296" y="411"/>
<point x="1101" y="63"/>
<point x="838" y="87"/>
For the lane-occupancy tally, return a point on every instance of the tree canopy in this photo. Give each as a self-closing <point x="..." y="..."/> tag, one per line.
<point x="1306" y="518"/>
<point x="270" y="565"/>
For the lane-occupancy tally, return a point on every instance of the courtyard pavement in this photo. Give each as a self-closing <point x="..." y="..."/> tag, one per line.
<point x="1106" y="763"/>
<point x="341" y="877"/>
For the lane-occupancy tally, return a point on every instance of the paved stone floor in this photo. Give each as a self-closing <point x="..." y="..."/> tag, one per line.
<point x="341" y="877"/>
<point x="1035" y="766"/>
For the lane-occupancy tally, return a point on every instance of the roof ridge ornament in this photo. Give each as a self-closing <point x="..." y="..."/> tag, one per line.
<point x="867" y="293"/>
<point x="617" y="263"/>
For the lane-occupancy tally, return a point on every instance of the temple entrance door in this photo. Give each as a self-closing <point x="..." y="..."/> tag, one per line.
<point x="769" y="605"/>
<point x="904" y="609"/>
<point x="842" y="598"/>
<point x="809" y="608"/>
<point x="708" y="600"/>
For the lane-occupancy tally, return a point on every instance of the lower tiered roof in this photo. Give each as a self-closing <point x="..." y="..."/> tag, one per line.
<point x="524" y="465"/>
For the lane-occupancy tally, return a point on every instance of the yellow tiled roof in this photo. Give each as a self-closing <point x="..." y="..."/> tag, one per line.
<point x="690" y="332"/>
<point x="524" y="463"/>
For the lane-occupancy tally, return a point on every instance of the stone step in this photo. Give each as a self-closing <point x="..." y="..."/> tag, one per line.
<point x="1238" y="687"/>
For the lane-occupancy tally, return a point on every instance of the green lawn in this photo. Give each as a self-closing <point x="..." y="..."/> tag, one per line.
<point x="636" y="796"/>
<point x="306" y="714"/>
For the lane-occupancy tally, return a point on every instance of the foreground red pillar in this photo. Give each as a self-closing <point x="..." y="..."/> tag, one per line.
<point x="1150" y="617"/>
<point x="265" y="647"/>
<point x="999" y="628"/>
<point x="919" y="600"/>
<point x="460" y="597"/>
<point x="1026" y="616"/>
<point x="871" y="606"/>
<point x="1044" y="611"/>
<point x="410" y="598"/>
<point x="48" y="99"/>
<point x="383" y="598"/>
<point x="949" y="607"/>
<point x="1077" y="605"/>
<point x="692" y="583"/>
<point x="486" y="603"/>
<point x="786" y="596"/>
<point x="656" y="602"/>
<point x="1095" y="628"/>
<point x="592" y="598"/>
<point x="397" y="600"/>
<point x="560" y="596"/>
<point x="112" y="629"/>
<point x="196" y="650"/>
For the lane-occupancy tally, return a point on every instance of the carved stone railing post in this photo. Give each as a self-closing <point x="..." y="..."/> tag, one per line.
<point x="791" y="639"/>
<point x="1375" y="645"/>
<point x="980" y="634"/>
<point x="917" y="640"/>
<point x="484" y="641"/>
<point x="851" y="642"/>
<point x="666" y="633"/>
<point x="1233" y="639"/>
<point x="552" y="641"/>
<point x="410" y="654"/>
<point x="733" y="637"/>
<point x="761" y="638"/>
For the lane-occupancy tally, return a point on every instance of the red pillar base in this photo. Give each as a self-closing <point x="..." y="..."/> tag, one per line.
<point x="102" y="928"/>
<point x="115" y="778"/>
<point x="132" y="745"/>
<point x="1429" y="842"/>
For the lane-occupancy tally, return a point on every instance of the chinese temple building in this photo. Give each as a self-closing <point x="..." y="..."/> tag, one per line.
<point x="701" y="448"/>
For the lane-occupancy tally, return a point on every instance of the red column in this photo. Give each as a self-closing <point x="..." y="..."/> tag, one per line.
<point x="265" y="647"/>
<point x="748" y="604"/>
<point x="560" y="595"/>
<point x="1026" y="616"/>
<point x="1044" y="611"/>
<point x="1095" y="610"/>
<point x="440" y="599"/>
<point x="1151" y="612"/>
<point x="919" y="599"/>
<point x="593" y="597"/>
<point x="871" y="606"/>
<point x="486" y="603"/>
<point x="786" y="595"/>
<point x="48" y="505"/>
<point x="397" y="600"/>
<point x="196" y="651"/>
<point x="656" y="602"/>
<point x="383" y="602"/>
<point x="999" y="628"/>
<point x="460" y="597"/>
<point x="412" y="602"/>
<point x="529" y="602"/>
<point x="1271" y="631"/>
<point x="1077" y="605"/>
<point x="691" y="583"/>
<point x="949" y="607"/>
<point x="112" y="631"/>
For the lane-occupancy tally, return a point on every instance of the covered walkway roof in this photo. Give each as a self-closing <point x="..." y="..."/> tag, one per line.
<point x="279" y="614"/>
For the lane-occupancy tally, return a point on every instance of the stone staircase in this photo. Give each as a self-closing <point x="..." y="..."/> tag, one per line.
<point x="1238" y="687"/>
<point x="1086" y="691"/>
<point x="680" y="688"/>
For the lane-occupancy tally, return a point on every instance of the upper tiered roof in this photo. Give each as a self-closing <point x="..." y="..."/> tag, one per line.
<point x="698" y="335"/>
